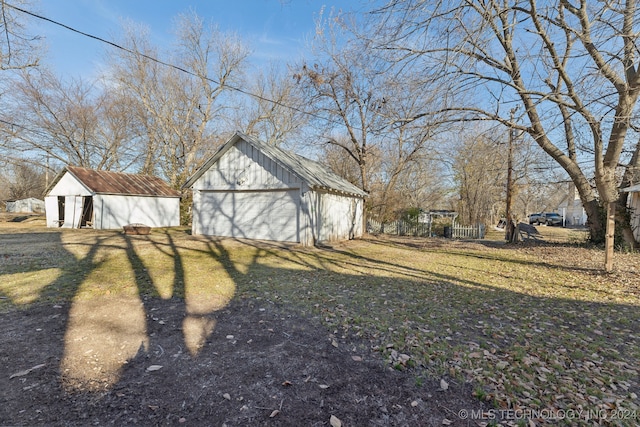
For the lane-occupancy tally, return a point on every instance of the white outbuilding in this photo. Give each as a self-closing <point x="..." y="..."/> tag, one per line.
<point x="634" y="206"/>
<point x="86" y="198"/>
<point x="28" y="205"/>
<point x="249" y="189"/>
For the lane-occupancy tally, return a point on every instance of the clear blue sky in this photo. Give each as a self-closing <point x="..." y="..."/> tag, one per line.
<point x="273" y="29"/>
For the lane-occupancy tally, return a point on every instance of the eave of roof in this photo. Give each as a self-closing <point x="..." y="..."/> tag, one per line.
<point x="632" y="189"/>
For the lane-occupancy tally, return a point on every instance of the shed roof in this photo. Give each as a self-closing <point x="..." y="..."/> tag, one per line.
<point x="313" y="173"/>
<point x="26" y="200"/>
<point x="106" y="182"/>
<point x="632" y="189"/>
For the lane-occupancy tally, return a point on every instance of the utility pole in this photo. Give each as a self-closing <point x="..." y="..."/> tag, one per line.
<point x="46" y="173"/>
<point x="510" y="226"/>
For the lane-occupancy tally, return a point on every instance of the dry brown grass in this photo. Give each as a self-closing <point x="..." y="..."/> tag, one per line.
<point x="533" y="326"/>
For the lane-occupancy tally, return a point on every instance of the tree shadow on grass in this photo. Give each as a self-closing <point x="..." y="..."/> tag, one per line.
<point x="283" y="330"/>
<point x="48" y="270"/>
<point x="486" y="250"/>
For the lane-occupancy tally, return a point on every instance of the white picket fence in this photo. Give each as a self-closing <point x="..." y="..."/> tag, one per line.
<point x="399" y="228"/>
<point x="404" y="228"/>
<point x="468" y="231"/>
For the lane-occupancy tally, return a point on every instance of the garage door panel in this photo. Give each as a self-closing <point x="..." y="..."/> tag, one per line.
<point x="268" y="215"/>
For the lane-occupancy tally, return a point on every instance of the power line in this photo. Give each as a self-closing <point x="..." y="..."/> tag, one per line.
<point x="37" y="132"/>
<point x="183" y="70"/>
<point x="167" y="64"/>
<point x="191" y="73"/>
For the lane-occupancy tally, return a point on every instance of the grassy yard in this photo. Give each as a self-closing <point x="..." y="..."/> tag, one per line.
<point x="533" y="327"/>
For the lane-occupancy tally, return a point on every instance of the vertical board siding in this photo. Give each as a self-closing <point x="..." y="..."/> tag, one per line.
<point x="634" y="206"/>
<point x="118" y="211"/>
<point x="51" y="210"/>
<point x="339" y="217"/>
<point x="308" y="218"/>
<point x="243" y="167"/>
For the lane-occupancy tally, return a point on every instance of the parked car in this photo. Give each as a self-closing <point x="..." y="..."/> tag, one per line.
<point x="534" y="218"/>
<point x="547" y="218"/>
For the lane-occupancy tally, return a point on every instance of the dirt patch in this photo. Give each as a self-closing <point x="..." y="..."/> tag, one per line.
<point x="262" y="365"/>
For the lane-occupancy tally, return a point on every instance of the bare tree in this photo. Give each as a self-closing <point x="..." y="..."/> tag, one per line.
<point x="178" y="109"/>
<point x="422" y="185"/>
<point x="343" y="91"/>
<point x="360" y="100"/>
<point x="408" y="146"/>
<point x="18" y="50"/>
<point x="275" y="111"/>
<point x="480" y="167"/>
<point x="573" y="66"/>
<point x="345" y="166"/>
<point x="67" y="122"/>
<point x="25" y="180"/>
<point x="480" y="173"/>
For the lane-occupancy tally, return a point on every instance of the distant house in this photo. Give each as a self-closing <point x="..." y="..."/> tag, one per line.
<point x="28" y="205"/>
<point x="426" y="217"/>
<point x="80" y="197"/>
<point x="571" y="207"/>
<point x="634" y="206"/>
<point x="252" y="190"/>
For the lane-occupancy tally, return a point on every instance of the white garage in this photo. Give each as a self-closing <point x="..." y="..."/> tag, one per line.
<point x="633" y="204"/>
<point x="252" y="190"/>
<point x="85" y="198"/>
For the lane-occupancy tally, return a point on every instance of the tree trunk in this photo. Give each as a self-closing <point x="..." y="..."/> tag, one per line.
<point x="595" y="222"/>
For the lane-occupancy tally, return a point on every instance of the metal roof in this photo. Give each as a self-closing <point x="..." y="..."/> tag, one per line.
<point x="106" y="182"/>
<point x="632" y="189"/>
<point x="315" y="174"/>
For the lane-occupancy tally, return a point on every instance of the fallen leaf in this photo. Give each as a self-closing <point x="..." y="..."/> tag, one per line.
<point x="446" y="422"/>
<point x="357" y="358"/>
<point x="154" y="368"/>
<point x="274" y="413"/>
<point x="335" y="421"/>
<point x="444" y="385"/>
<point x="227" y="396"/>
<point x="287" y="383"/>
<point x="27" y="371"/>
<point x="323" y="386"/>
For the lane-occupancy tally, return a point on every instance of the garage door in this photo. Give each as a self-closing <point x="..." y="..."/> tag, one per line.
<point x="264" y="215"/>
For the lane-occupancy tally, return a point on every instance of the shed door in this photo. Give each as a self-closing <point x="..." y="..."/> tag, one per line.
<point x="263" y="215"/>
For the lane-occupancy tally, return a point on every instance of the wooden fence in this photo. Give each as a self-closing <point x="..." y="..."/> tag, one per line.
<point x="421" y="229"/>
<point x="468" y="231"/>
